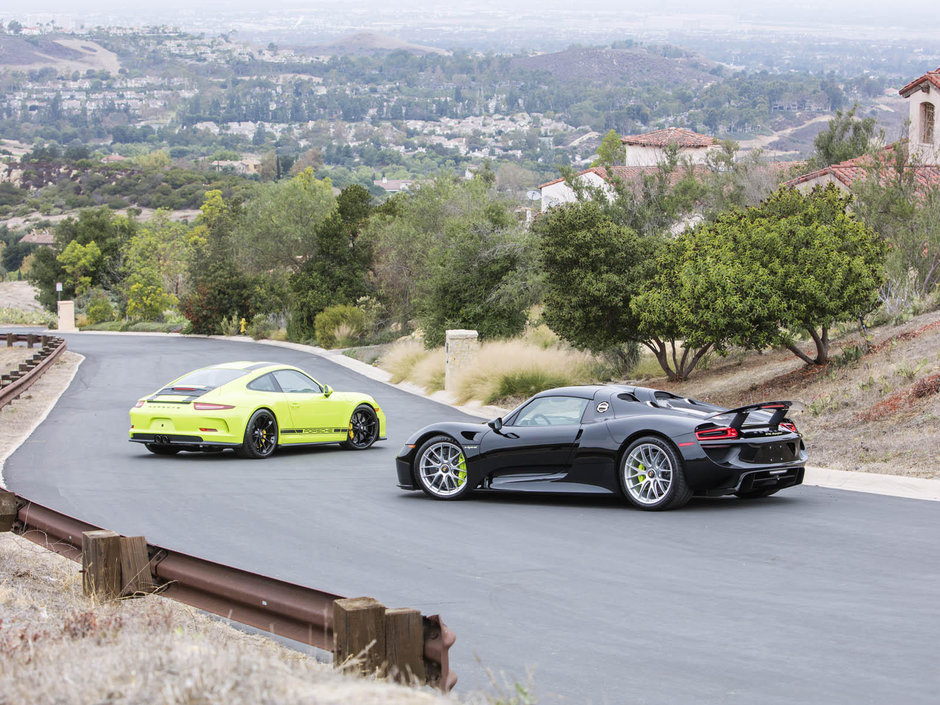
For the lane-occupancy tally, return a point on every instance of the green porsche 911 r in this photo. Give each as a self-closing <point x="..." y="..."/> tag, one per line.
<point x="253" y="407"/>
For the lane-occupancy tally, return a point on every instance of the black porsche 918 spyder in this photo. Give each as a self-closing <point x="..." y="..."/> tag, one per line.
<point x="654" y="447"/>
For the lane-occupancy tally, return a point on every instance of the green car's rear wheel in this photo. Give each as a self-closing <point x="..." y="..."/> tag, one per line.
<point x="260" y="435"/>
<point x="363" y="428"/>
<point x="160" y="449"/>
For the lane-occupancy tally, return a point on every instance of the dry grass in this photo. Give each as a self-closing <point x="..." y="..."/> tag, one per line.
<point x="875" y="414"/>
<point x="515" y="369"/>
<point x="10" y="358"/>
<point x="401" y="357"/>
<point x="58" y="647"/>
<point x="428" y="372"/>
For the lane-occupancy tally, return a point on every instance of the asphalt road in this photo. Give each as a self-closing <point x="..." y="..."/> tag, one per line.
<point x="812" y="596"/>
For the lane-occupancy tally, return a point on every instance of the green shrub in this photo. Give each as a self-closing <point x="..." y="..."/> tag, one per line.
<point x="15" y="316"/>
<point x="260" y="327"/>
<point x="100" y="309"/>
<point x="339" y="326"/>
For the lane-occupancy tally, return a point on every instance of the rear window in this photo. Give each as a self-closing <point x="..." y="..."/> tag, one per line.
<point x="210" y="377"/>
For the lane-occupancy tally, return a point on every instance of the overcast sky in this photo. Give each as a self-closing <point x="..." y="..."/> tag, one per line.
<point x="912" y="13"/>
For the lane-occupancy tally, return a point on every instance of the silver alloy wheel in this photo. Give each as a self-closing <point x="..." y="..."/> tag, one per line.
<point x="648" y="474"/>
<point x="442" y="469"/>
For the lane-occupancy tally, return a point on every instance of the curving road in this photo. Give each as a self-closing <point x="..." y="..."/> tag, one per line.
<point x="813" y="596"/>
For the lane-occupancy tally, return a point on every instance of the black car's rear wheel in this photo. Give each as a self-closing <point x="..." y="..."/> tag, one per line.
<point x="441" y="468"/>
<point x="161" y="449"/>
<point x="652" y="477"/>
<point x="363" y="428"/>
<point x="260" y="435"/>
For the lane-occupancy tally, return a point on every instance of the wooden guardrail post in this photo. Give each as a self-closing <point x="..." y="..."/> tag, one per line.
<point x="101" y="564"/>
<point x="11" y="338"/>
<point x="359" y="634"/>
<point x="30" y="340"/>
<point x="404" y="646"/>
<point x="7" y="510"/>
<point x="136" y="577"/>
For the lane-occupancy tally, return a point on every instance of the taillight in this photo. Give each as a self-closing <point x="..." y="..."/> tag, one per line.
<point x="205" y="406"/>
<point x="139" y="404"/>
<point x="724" y="433"/>
<point x="789" y="426"/>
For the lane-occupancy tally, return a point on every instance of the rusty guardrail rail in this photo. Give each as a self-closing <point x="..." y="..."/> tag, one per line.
<point x="15" y="382"/>
<point x="400" y="643"/>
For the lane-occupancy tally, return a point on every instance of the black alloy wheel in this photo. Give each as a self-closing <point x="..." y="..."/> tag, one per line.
<point x="260" y="435"/>
<point x="161" y="449"/>
<point x="363" y="428"/>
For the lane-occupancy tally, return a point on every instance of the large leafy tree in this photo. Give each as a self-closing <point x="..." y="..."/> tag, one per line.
<point x="218" y="286"/>
<point x="82" y="267"/>
<point x="796" y="262"/>
<point x="279" y="228"/>
<point x="452" y="255"/>
<point x="337" y="272"/>
<point x="155" y="266"/>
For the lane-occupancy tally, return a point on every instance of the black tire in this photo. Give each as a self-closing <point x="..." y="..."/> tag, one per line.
<point x="757" y="494"/>
<point x="652" y="477"/>
<point x="161" y="449"/>
<point x="260" y="436"/>
<point x="363" y="428"/>
<point x="440" y="469"/>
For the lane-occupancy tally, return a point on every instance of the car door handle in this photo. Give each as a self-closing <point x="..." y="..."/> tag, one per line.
<point x="295" y="403"/>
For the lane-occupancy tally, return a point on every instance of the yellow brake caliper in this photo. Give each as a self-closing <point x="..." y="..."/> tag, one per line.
<point x="462" y="469"/>
<point x="642" y="477"/>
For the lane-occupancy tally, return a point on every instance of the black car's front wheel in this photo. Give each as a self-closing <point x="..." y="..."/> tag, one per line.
<point x="260" y="435"/>
<point x="363" y="428"/>
<point x="441" y="468"/>
<point x="652" y="477"/>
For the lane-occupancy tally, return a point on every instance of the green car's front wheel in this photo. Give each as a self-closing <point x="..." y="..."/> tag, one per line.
<point x="363" y="428"/>
<point x="260" y="435"/>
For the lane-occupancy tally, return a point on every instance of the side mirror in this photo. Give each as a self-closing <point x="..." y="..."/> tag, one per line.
<point x="327" y="390"/>
<point x="496" y="424"/>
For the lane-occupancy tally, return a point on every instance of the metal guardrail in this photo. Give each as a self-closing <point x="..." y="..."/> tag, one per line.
<point x="15" y="382"/>
<point x="281" y="608"/>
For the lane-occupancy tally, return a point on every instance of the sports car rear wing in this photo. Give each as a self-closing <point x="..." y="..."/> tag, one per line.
<point x="778" y="411"/>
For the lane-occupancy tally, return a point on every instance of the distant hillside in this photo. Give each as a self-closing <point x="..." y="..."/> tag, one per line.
<point x="64" y="54"/>
<point x="370" y="43"/>
<point x="631" y="66"/>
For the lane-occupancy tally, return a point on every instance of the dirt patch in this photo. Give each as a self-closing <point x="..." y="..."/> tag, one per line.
<point x="57" y="646"/>
<point x="19" y="295"/>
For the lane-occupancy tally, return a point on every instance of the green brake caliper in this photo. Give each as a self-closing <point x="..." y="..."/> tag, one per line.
<point x="642" y="477"/>
<point x="462" y="472"/>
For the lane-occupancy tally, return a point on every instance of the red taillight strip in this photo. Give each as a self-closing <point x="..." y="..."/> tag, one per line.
<point x="205" y="406"/>
<point x="789" y="426"/>
<point x="717" y="434"/>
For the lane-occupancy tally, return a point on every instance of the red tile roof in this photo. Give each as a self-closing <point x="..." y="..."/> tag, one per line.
<point x="932" y="77"/>
<point x="671" y="135"/>
<point x="852" y="170"/>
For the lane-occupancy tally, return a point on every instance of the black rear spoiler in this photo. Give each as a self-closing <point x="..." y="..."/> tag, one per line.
<point x="779" y="409"/>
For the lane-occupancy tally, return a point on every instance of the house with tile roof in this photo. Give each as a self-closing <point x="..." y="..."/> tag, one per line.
<point x="922" y="145"/>
<point x="644" y="154"/>
<point x="649" y="148"/>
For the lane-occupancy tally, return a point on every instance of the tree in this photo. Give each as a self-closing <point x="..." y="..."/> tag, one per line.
<point x="593" y="267"/>
<point x="796" y="262"/>
<point x="451" y="254"/>
<point x="78" y="262"/>
<point x="155" y="267"/>
<point x="337" y="273"/>
<point x="279" y="229"/>
<point x="311" y="159"/>
<point x="845" y="138"/>
<point x="611" y="151"/>
<point x="109" y="232"/>
<point x="218" y="287"/>
<point x="904" y="210"/>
